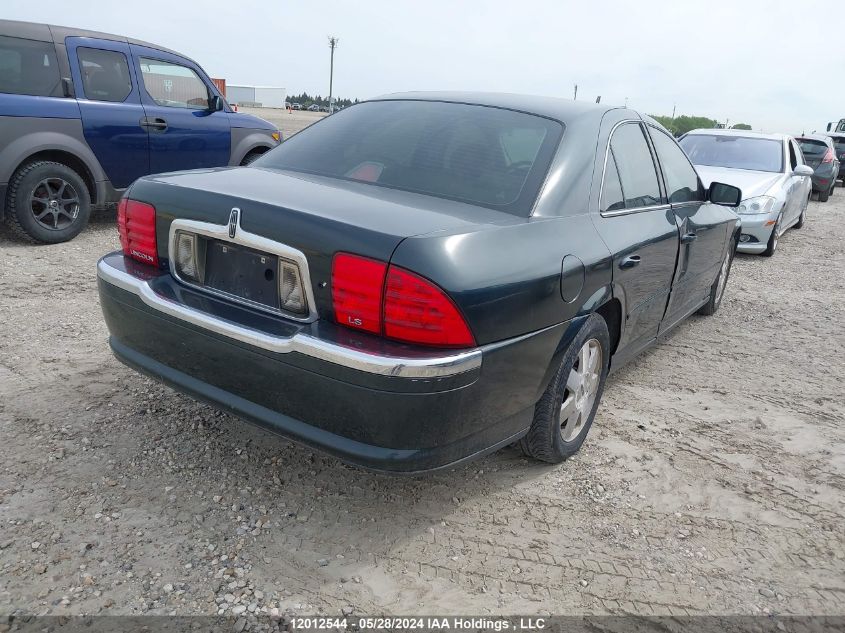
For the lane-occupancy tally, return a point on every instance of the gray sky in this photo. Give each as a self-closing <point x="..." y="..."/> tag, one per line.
<point x="764" y="62"/>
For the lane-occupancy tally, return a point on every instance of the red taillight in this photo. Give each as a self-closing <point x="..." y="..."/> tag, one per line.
<point x="357" y="284"/>
<point x="417" y="311"/>
<point x="372" y="296"/>
<point x="136" y="223"/>
<point x="828" y="157"/>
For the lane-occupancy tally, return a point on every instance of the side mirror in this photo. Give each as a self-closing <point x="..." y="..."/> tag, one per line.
<point x="726" y="195"/>
<point x="828" y="127"/>
<point x="216" y="103"/>
<point x="803" y="170"/>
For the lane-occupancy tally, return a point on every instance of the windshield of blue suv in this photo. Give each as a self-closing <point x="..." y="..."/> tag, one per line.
<point x="482" y="155"/>
<point x="734" y="152"/>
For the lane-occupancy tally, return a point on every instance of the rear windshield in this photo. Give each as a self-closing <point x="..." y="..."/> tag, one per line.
<point x="812" y="148"/>
<point x="481" y="155"/>
<point x="736" y="152"/>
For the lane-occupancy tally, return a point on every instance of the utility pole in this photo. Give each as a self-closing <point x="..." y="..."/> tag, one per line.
<point x="333" y="45"/>
<point x="626" y="102"/>
<point x="673" y="111"/>
<point x="575" y="96"/>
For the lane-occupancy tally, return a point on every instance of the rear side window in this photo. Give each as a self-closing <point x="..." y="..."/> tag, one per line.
<point x="612" y="198"/>
<point x="482" y="155"/>
<point x="174" y="85"/>
<point x="636" y="166"/>
<point x="28" y="67"/>
<point x="682" y="184"/>
<point x="105" y="74"/>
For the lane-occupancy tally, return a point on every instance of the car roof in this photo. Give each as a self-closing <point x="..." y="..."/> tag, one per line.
<point x="55" y="33"/>
<point x="551" y="107"/>
<point x="816" y="137"/>
<point x="745" y="133"/>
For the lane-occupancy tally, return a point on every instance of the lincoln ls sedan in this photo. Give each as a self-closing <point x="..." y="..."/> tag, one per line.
<point x="422" y="278"/>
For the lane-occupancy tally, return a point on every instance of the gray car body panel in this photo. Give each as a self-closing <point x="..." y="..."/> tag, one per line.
<point x="24" y="137"/>
<point x="245" y="140"/>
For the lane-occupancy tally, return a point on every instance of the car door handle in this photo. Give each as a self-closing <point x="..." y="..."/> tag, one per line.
<point x="629" y="262"/>
<point x="686" y="238"/>
<point x="155" y="123"/>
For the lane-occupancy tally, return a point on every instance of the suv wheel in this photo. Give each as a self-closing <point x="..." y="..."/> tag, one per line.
<point x="47" y="202"/>
<point x="250" y="157"/>
<point x="565" y="412"/>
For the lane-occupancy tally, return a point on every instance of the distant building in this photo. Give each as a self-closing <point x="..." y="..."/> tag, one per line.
<point x="256" y="96"/>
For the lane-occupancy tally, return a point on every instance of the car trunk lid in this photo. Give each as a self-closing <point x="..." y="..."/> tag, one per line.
<point x="315" y="215"/>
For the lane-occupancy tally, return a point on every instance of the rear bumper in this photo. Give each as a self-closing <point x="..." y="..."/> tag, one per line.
<point x="824" y="177"/>
<point x="374" y="403"/>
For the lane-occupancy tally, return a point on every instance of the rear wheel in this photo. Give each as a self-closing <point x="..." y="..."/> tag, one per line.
<point x="824" y="195"/>
<point x="48" y="202"/>
<point x="565" y="412"/>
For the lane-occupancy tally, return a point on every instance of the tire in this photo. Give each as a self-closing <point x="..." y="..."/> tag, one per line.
<point x="717" y="290"/>
<point x="547" y="440"/>
<point x="823" y="196"/>
<point x="772" y="245"/>
<point x="833" y="188"/>
<point x="250" y="157"/>
<point x="64" y="212"/>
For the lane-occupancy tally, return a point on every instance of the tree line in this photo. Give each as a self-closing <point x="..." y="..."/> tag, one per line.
<point x="306" y="100"/>
<point x="682" y="124"/>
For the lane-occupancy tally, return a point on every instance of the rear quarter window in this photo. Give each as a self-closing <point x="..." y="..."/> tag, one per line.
<point x="28" y="67"/>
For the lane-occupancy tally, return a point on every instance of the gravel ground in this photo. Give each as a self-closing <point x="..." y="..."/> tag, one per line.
<point x="712" y="481"/>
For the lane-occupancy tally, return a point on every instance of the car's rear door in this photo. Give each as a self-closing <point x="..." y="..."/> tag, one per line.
<point x="110" y="105"/>
<point x="703" y="228"/>
<point x="184" y="132"/>
<point x="639" y="229"/>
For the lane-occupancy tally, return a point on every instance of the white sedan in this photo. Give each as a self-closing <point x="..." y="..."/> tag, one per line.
<point x="768" y="168"/>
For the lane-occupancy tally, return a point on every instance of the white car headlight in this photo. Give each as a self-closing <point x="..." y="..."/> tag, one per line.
<point x="758" y="204"/>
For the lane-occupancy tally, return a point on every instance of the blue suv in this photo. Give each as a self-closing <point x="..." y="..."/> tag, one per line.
<point x="83" y="114"/>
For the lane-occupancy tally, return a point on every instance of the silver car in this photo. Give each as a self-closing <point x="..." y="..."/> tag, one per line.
<point x="769" y="169"/>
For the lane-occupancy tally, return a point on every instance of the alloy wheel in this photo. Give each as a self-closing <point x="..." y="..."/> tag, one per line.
<point x="54" y="203"/>
<point x="582" y="386"/>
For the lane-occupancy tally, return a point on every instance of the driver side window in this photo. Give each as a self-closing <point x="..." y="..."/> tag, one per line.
<point x="174" y="86"/>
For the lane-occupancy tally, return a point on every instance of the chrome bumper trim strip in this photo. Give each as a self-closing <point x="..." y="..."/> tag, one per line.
<point x="447" y="364"/>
